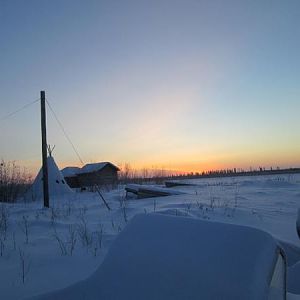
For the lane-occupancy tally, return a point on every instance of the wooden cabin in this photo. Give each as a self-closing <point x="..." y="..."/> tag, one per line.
<point x="70" y="175"/>
<point x="102" y="173"/>
<point x="94" y="174"/>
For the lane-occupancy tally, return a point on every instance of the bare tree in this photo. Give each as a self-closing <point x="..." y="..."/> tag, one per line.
<point x="2" y="245"/>
<point x="24" y="264"/>
<point x="61" y="243"/>
<point x="84" y="232"/>
<point x="4" y="220"/>
<point x="24" y="225"/>
<point x="13" y="181"/>
<point x="72" y="238"/>
<point x="126" y="172"/>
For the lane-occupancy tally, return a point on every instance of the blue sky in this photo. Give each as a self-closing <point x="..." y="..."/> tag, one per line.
<point x="184" y="85"/>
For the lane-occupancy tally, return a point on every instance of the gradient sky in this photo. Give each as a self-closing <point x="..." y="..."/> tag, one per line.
<point x="185" y="85"/>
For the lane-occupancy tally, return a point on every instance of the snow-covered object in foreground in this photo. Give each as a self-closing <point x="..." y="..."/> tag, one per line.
<point x="298" y="223"/>
<point x="145" y="191"/>
<point x="56" y="181"/>
<point x="167" y="257"/>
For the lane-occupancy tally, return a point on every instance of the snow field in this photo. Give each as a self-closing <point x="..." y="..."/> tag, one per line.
<point x="47" y="249"/>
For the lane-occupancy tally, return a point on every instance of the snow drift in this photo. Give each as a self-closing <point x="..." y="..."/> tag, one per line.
<point x="166" y="257"/>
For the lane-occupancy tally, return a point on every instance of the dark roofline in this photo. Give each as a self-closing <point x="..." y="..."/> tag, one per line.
<point x="114" y="166"/>
<point x="71" y="174"/>
<point x="79" y="170"/>
<point x="94" y="171"/>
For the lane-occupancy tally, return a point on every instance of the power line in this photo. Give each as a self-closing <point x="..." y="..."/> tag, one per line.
<point x="55" y="116"/>
<point x="64" y="132"/>
<point x="18" y="110"/>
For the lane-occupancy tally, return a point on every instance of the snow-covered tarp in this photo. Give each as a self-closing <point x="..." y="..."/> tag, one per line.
<point x="149" y="190"/>
<point x="166" y="257"/>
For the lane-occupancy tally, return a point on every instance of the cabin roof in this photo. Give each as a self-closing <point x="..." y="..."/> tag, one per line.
<point x="88" y="168"/>
<point x="70" y="171"/>
<point x="94" y="167"/>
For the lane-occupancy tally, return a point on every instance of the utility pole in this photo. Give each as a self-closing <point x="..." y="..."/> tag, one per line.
<point x="44" y="150"/>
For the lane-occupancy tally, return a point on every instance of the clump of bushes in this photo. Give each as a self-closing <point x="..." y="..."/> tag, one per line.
<point x="14" y="181"/>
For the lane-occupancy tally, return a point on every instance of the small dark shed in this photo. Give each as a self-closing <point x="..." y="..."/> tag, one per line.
<point x="102" y="173"/>
<point x="98" y="174"/>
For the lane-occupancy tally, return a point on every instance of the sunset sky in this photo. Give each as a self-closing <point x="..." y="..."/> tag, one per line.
<point x="181" y="85"/>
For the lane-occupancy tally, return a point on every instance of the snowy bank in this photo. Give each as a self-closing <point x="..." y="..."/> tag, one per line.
<point x="165" y="257"/>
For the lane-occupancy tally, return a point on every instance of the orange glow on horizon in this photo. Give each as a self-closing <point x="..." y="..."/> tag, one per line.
<point x="182" y="164"/>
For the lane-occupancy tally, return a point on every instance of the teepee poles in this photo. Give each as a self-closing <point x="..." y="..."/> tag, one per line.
<point x="44" y="150"/>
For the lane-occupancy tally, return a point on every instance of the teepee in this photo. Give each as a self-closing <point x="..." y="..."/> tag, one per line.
<point x="57" y="185"/>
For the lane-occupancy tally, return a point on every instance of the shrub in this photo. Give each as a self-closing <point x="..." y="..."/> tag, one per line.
<point x="14" y="181"/>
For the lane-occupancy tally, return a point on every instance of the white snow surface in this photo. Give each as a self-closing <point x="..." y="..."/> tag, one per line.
<point x="56" y="182"/>
<point x="166" y="257"/>
<point x="269" y="203"/>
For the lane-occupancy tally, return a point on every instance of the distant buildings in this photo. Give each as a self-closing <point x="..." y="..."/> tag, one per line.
<point x="95" y="174"/>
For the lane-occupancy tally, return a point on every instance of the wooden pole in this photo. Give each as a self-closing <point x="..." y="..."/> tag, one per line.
<point x="44" y="150"/>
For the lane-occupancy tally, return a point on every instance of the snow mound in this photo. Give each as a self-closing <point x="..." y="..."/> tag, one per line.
<point x="167" y="257"/>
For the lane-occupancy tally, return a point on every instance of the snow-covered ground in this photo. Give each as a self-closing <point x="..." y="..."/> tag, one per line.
<point x="47" y="249"/>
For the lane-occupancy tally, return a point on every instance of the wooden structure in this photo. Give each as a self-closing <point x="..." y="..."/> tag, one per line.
<point x="95" y="174"/>
<point x="98" y="174"/>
